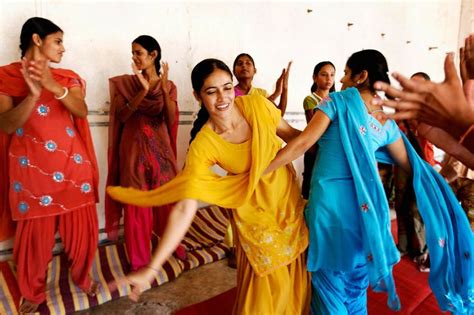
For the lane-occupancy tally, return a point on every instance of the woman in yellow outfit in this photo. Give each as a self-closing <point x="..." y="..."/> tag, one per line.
<point x="242" y="136"/>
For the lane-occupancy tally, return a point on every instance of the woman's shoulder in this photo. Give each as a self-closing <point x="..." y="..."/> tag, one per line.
<point x="253" y="103"/>
<point x="259" y="91"/>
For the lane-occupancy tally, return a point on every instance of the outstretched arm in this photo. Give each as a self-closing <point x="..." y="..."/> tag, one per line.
<point x="287" y="132"/>
<point x="315" y="129"/>
<point x="178" y="224"/>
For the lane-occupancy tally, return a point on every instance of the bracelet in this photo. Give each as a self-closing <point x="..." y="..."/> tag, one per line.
<point x="154" y="269"/>
<point x="66" y="92"/>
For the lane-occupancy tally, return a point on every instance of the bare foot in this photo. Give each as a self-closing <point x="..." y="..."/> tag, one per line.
<point x="93" y="289"/>
<point x="27" y="307"/>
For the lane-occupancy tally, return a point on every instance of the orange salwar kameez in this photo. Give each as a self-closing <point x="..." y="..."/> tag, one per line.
<point x="52" y="178"/>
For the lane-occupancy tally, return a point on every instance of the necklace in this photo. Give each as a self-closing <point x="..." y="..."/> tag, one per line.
<point x="372" y="111"/>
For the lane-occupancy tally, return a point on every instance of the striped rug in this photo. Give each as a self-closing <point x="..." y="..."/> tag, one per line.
<point x="204" y="242"/>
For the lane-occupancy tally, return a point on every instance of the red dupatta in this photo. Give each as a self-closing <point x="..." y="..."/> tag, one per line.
<point x="13" y="84"/>
<point x="127" y="86"/>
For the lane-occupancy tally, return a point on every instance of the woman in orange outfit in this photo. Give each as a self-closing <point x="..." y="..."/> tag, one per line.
<point x="48" y="163"/>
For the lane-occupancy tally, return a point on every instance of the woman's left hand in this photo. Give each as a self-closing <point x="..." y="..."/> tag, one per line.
<point x="40" y="72"/>
<point x="164" y="77"/>
<point x="137" y="280"/>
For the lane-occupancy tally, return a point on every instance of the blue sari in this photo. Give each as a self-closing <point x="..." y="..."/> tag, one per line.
<point x="449" y="237"/>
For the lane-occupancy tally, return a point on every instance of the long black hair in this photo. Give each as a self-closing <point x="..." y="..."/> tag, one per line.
<point x="372" y="61"/>
<point x="316" y="70"/>
<point x="150" y="44"/>
<point x="199" y="74"/>
<point x="36" y="25"/>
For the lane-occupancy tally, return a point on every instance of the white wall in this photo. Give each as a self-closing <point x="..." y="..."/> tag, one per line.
<point x="98" y="36"/>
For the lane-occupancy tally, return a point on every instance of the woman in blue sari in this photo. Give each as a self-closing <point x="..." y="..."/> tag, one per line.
<point x="348" y="215"/>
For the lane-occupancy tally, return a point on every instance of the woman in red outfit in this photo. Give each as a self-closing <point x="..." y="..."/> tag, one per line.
<point x="48" y="167"/>
<point x="143" y="127"/>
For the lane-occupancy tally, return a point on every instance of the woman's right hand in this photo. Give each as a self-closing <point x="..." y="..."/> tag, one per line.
<point x="145" y="84"/>
<point x="137" y="280"/>
<point x="33" y="85"/>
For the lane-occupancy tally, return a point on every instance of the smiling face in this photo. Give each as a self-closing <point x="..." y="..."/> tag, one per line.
<point x="142" y="58"/>
<point x="325" y="77"/>
<point x="217" y="93"/>
<point x="244" y="68"/>
<point x="52" y="47"/>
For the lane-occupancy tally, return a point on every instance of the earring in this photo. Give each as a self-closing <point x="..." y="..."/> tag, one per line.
<point x="358" y="82"/>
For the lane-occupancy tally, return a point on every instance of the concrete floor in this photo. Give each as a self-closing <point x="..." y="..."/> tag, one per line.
<point x="190" y="287"/>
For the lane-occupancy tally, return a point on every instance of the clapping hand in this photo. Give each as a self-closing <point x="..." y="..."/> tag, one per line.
<point x="33" y="85"/>
<point x="164" y="77"/>
<point x="145" y="84"/>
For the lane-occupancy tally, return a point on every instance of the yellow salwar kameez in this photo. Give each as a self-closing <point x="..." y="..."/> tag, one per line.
<point x="268" y="216"/>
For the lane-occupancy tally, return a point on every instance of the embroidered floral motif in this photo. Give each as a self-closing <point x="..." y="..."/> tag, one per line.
<point x="70" y="132"/>
<point x="288" y="230"/>
<point x="266" y="260"/>
<point x="268" y="239"/>
<point x="77" y="158"/>
<point x="43" y="110"/>
<point x="23" y="207"/>
<point x="362" y="130"/>
<point x="86" y="188"/>
<point x="58" y="177"/>
<point x="375" y="127"/>
<point x="441" y="242"/>
<point x="45" y="201"/>
<point x="23" y="161"/>
<point x="50" y="145"/>
<point x="364" y="207"/>
<point x="19" y="132"/>
<point x="17" y="187"/>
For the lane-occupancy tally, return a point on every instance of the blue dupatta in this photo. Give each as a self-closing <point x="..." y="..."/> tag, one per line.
<point x="448" y="234"/>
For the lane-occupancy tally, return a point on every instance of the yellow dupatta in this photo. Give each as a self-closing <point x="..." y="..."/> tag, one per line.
<point x="270" y="237"/>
